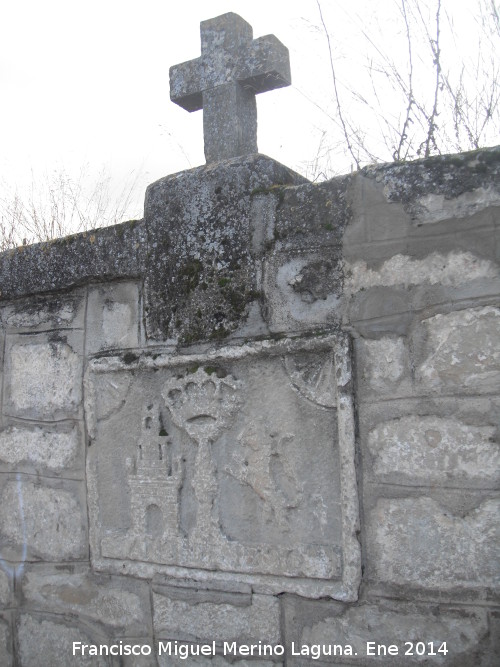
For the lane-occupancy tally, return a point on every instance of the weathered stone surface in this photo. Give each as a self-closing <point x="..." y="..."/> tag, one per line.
<point x="313" y="215"/>
<point x="203" y="273"/>
<point x="416" y="541"/>
<point x="388" y="624"/>
<point x="302" y="291"/>
<point x="44" y="376"/>
<point x="217" y="661"/>
<point x="201" y="614"/>
<point x="383" y="364"/>
<point x="41" y="448"/>
<point x="432" y="450"/>
<point x="204" y="477"/>
<point x="443" y="186"/>
<point x="434" y="208"/>
<point x="141" y="660"/>
<point x="380" y="311"/>
<point x="303" y="269"/>
<point x="39" y="636"/>
<point x="121" y="603"/>
<point x="42" y="522"/>
<point x="113" y="317"/>
<point x="462" y="351"/>
<point x="374" y="220"/>
<point x="102" y="254"/>
<point x="232" y="69"/>
<point x="6" y="654"/>
<point x="112" y="391"/>
<point x="452" y="269"/>
<point x="490" y="659"/>
<point x="5" y="588"/>
<point x="57" y="311"/>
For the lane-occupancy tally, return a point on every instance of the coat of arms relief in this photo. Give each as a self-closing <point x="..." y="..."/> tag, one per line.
<point x="233" y="466"/>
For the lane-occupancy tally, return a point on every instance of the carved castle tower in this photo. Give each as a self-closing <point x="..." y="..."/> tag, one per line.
<point x="157" y="480"/>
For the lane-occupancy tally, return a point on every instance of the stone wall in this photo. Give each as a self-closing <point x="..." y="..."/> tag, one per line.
<point x="265" y="414"/>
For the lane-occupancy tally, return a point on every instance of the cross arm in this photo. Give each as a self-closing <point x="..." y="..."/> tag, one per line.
<point x="267" y="66"/>
<point x="186" y="85"/>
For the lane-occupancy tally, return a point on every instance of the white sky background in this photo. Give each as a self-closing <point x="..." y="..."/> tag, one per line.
<point x="85" y="84"/>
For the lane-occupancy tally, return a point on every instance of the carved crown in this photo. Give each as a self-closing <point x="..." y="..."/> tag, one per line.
<point x="202" y="403"/>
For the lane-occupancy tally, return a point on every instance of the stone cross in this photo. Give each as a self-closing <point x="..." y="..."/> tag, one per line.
<point x="223" y="81"/>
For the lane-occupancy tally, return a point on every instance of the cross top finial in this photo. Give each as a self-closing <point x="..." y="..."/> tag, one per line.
<point x="223" y="81"/>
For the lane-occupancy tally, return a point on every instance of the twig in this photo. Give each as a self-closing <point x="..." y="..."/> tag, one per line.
<point x="436" y="52"/>
<point x="337" y="98"/>
<point x="404" y="132"/>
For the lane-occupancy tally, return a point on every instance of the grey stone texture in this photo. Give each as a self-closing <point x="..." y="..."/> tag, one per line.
<point x="268" y="412"/>
<point x="6" y="645"/>
<point x="103" y="254"/>
<point x="205" y="234"/>
<point x="418" y="540"/>
<point x="113" y="320"/>
<point x="441" y="188"/>
<point x="42" y="520"/>
<point x="53" y="449"/>
<point x="119" y="604"/>
<point x="53" y="639"/>
<point x="387" y="623"/>
<point x="216" y="661"/>
<point x="460" y="352"/>
<point x="197" y="614"/>
<point x="44" y="375"/>
<point x="5" y="589"/>
<point x="232" y="69"/>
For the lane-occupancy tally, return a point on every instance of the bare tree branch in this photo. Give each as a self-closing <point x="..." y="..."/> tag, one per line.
<point x="339" y="106"/>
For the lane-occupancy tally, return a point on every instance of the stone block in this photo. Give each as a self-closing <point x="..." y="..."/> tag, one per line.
<point x="122" y="604"/>
<point x="434" y="450"/>
<point x="313" y="216"/>
<point x="42" y="520"/>
<point x="140" y="660"/>
<point x="113" y="317"/>
<point x="240" y="460"/>
<point x="436" y="207"/>
<point x="383" y="366"/>
<point x="419" y="542"/>
<point x="345" y="632"/>
<point x="6" y="648"/>
<point x="216" y="661"/>
<point x="461" y="352"/>
<point x="450" y="270"/>
<point x="382" y="220"/>
<point x="110" y="253"/>
<point x="2" y="374"/>
<point x="443" y="187"/>
<point x="201" y="277"/>
<point x="44" y="376"/>
<point x="6" y="586"/>
<point x="39" y="313"/>
<point x="490" y="659"/>
<point x="47" y="641"/>
<point x="380" y="310"/>
<point x="302" y="290"/>
<point x="151" y="660"/>
<point x="44" y="449"/>
<point x="197" y="613"/>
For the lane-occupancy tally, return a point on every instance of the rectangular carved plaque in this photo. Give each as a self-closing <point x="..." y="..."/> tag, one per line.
<point x="237" y="463"/>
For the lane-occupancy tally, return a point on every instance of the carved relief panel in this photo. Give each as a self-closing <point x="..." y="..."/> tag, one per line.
<point x="238" y="463"/>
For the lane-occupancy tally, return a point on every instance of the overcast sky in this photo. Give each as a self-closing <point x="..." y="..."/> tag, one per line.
<point x="86" y="83"/>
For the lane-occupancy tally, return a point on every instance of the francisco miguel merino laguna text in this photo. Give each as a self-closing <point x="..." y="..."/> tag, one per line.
<point x="186" y="650"/>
